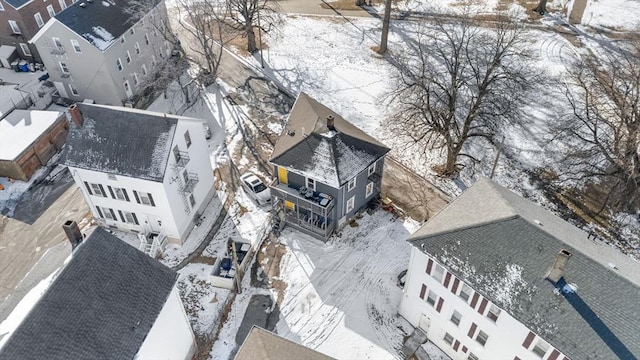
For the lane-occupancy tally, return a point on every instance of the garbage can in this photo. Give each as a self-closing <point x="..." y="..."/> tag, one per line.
<point x="24" y="66"/>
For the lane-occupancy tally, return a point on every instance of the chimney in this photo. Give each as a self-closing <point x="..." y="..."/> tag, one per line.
<point x="557" y="270"/>
<point x="76" y="115"/>
<point x="330" y="125"/>
<point x="73" y="233"/>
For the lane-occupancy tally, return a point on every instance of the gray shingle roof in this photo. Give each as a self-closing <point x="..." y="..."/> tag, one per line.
<point x="101" y="306"/>
<point x="121" y="141"/>
<point x="308" y="147"/>
<point x="101" y="22"/>
<point x="17" y="3"/>
<point x="503" y="247"/>
<point x="261" y="344"/>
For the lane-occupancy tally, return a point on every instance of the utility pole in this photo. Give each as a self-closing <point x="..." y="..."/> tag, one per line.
<point x="385" y="27"/>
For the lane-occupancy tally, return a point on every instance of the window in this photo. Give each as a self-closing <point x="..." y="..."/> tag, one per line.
<point x="482" y="337"/>
<point x="456" y="317"/>
<point x="311" y="184"/>
<point x="146" y="39"/>
<point x="161" y="54"/>
<point x="153" y="60"/>
<point x="187" y="138"/>
<point x="73" y="89"/>
<point x="438" y="273"/>
<point x="176" y="153"/>
<point x="128" y="58"/>
<point x="25" y="49"/>
<point x="448" y="338"/>
<point x="192" y="200"/>
<point x="350" y="203"/>
<point x="1" y="7"/>
<point x="135" y="79"/>
<point x="58" y="43"/>
<point x="120" y="194"/>
<point x="137" y="48"/>
<point x="106" y="213"/>
<point x="63" y="5"/>
<point x="369" y="189"/>
<point x="95" y="189"/>
<point x="119" y="64"/>
<point x="352" y="184"/>
<point x="132" y="31"/>
<point x="472" y="357"/>
<point x="127" y="89"/>
<point x="493" y="313"/>
<point x="39" y="20"/>
<point x="128" y="217"/>
<point x="122" y="39"/>
<point x="51" y="12"/>
<point x="431" y="298"/>
<point x="540" y="348"/>
<point x="465" y="292"/>
<point x="63" y="67"/>
<point x="147" y="199"/>
<point x="76" y="46"/>
<point x="372" y="169"/>
<point x="14" y="27"/>
<point x="144" y="69"/>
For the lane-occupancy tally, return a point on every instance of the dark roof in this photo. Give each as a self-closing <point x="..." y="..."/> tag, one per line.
<point x="101" y="22"/>
<point x="121" y="141"/>
<point x="505" y="256"/>
<point x="101" y="306"/>
<point x="261" y="344"/>
<point x="334" y="157"/>
<point x="17" y="3"/>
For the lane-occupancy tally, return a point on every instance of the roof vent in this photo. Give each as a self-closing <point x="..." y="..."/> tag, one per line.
<point x="557" y="270"/>
<point x="83" y="5"/>
<point x="330" y="123"/>
<point x="538" y="222"/>
<point x="291" y="133"/>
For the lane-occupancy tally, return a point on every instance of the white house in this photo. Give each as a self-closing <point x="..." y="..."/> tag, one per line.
<point x="494" y="276"/>
<point x="140" y="171"/>
<point x="102" y="50"/>
<point x="109" y="302"/>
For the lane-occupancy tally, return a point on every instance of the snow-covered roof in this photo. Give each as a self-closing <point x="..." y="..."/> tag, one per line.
<point x="101" y="306"/>
<point x="503" y="245"/>
<point x="121" y="141"/>
<point x="331" y="156"/>
<point x="265" y="345"/>
<point x="21" y="128"/>
<point x="101" y="22"/>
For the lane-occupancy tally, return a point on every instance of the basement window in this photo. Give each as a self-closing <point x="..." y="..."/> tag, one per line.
<point x="540" y="348"/>
<point x="448" y="338"/>
<point x="456" y="317"/>
<point x="465" y="292"/>
<point x="493" y="313"/>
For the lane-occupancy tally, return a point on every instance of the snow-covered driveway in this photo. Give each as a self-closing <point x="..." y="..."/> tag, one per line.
<point x="342" y="297"/>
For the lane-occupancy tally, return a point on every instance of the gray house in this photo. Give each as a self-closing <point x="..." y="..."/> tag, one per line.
<point x="326" y="169"/>
<point x="102" y="50"/>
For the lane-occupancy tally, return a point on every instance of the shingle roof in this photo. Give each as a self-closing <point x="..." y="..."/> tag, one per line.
<point x="308" y="147"/>
<point x="502" y="245"/>
<point x="17" y="3"/>
<point x="261" y="344"/>
<point x="121" y="141"/>
<point x="101" y="306"/>
<point x="101" y="22"/>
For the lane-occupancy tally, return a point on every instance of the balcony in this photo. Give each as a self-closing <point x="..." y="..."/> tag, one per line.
<point x="190" y="183"/>
<point x="305" y="210"/>
<point x="182" y="158"/>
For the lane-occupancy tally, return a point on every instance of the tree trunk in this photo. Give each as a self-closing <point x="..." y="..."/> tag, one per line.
<point x="360" y="3"/>
<point x="541" y="8"/>
<point x="385" y="27"/>
<point x="251" y="39"/>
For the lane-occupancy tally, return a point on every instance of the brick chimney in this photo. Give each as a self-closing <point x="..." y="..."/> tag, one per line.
<point x="330" y="124"/>
<point x="76" y="115"/>
<point x="72" y="231"/>
<point x="557" y="270"/>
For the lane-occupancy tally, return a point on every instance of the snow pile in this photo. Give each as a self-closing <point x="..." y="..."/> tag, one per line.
<point x="569" y="288"/>
<point x="202" y="302"/>
<point x="613" y="14"/>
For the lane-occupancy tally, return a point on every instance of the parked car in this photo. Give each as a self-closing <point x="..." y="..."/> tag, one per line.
<point x="207" y="131"/>
<point x="255" y="188"/>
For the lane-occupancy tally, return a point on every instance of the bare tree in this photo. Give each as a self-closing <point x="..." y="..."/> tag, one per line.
<point x="541" y="8"/>
<point x="247" y="16"/>
<point x="604" y="129"/>
<point x="457" y="83"/>
<point x="386" y="22"/>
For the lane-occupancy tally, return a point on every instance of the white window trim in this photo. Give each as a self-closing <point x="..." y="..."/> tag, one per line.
<point x="136" y="81"/>
<point x="62" y="68"/>
<point x="14" y="27"/>
<point x="73" y="90"/>
<point x="369" y="189"/>
<point x="128" y="58"/>
<point x="76" y="46"/>
<point x="372" y="169"/>
<point x="25" y="49"/>
<point x="63" y="4"/>
<point x="351" y="185"/>
<point x="144" y="198"/>
<point x="137" y="47"/>
<point x="351" y="203"/>
<point x="1" y="7"/>
<point x="146" y="39"/>
<point x="144" y="69"/>
<point x="38" y="19"/>
<point x="57" y="43"/>
<point x="306" y="182"/>
<point x="106" y="213"/>
<point x="128" y="217"/>
<point x="51" y="11"/>
<point x="119" y="64"/>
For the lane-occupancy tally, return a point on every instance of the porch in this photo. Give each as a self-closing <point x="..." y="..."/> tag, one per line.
<point x="304" y="209"/>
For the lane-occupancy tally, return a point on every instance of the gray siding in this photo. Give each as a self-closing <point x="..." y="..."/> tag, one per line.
<point x="360" y="191"/>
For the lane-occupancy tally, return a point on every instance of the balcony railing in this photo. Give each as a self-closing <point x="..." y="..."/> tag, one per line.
<point x="190" y="183"/>
<point x="182" y="158"/>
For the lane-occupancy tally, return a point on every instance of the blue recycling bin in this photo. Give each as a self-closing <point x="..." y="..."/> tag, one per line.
<point x="24" y="66"/>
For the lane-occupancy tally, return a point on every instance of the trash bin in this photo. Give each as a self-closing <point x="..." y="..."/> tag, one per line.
<point x="32" y="67"/>
<point x="24" y="66"/>
<point x="15" y="66"/>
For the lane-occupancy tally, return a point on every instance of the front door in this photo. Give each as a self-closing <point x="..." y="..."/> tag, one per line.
<point x="127" y="89"/>
<point x="282" y="175"/>
<point x="424" y="323"/>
